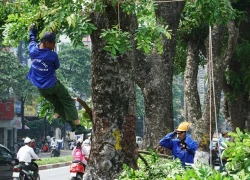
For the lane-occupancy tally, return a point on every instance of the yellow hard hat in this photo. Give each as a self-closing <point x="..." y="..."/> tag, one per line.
<point x="184" y="126"/>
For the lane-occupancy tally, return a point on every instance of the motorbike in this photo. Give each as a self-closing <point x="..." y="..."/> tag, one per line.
<point x="77" y="169"/>
<point x="55" y="151"/>
<point x="21" y="173"/>
<point x="71" y="145"/>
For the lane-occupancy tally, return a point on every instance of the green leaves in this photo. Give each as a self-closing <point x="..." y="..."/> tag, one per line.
<point x="238" y="166"/>
<point x="12" y="76"/>
<point x="117" y="41"/>
<point x="150" y="33"/>
<point x="239" y="78"/>
<point x="75" y="68"/>
<point x="216" y="11"/>
<point x="238" y="152"/>
<point x="160" y="169"/>
<point x="149" y="38"/>
<point x="64" y="17"/>
<point x="69" y="18"/>
<point x="199" y="14"/>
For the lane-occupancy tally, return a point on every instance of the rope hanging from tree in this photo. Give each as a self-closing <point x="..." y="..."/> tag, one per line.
<point x="212" y="93"/>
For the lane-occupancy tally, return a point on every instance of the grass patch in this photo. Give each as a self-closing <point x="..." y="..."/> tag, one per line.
<point x="54" y="160"/>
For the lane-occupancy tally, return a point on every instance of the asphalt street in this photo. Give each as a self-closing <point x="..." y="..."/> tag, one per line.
<point x="61" y="173"/>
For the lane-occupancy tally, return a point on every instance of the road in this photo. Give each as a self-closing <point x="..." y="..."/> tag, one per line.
<point x="48" y="154"/>
<point x="55" y="174"/>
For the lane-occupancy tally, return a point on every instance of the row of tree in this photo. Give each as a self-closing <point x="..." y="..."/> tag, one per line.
<point x="134" y="42"/>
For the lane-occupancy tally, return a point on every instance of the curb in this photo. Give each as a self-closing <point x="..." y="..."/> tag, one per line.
<point x="51" y="166"/>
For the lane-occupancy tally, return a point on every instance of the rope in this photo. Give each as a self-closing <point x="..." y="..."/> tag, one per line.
<point x="211" y="81"/>
<point x="118" y="9"/>
<point x="210" y="93"/>
<point x="215" y="107"/>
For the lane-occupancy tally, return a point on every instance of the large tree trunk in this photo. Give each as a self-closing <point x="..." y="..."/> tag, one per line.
<point x="236" y="101"/>
<point x="192" y="98"/>
<point x="236" y="111"/>
<point x="205" y="126"/>
<point x="154" y="76"/>
<point x="113" y="134"/>
<point x="221" y="58"/>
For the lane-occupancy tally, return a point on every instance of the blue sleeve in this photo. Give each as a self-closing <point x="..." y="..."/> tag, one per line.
<point x="57" y="63"/>
<point x="192" y="145"/>
<point x="32" y="40"/>
<point x="32" y="36"/>
<point x="167" y="141"/>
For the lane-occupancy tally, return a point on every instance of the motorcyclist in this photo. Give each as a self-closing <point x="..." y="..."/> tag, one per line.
<point x="86" y="146"/>
<point x="183" y="147"/>
<point x="26" y="154"/>
<point x="85" y="149"/>
<point x="53" y="142"/>
<point x="33" y="144"/>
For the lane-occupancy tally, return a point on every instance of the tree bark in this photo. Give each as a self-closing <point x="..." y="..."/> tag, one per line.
<point x="113" y="133"/>
<point x="237" y="111"/>
<point x="221" y="59"/>
<point x="192" y="98"/>
<point x="236" y="107"/>
<point x="154" y="76"/>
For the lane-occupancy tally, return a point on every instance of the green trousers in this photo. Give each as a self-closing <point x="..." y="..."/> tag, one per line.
<point x="64" y="105"/>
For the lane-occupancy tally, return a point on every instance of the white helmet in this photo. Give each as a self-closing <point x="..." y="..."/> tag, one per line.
<point x="86" y="141"/>
<point x="79" y="140"/>
<point x="27" y="140"/>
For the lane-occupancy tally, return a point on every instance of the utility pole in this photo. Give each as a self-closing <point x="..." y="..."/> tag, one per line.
<point x="22" y="112"/>
<point x="45" y="125"/>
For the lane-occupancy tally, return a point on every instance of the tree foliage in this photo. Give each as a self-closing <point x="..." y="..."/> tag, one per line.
<point x="75" y="68"/>
<point x="239" y="78"/>
<point x="5" y="11"/>
<point x="9" y="63"/>
<point x="237" y="153"/>
<point x="12" y="79"/>
<point x="37" y="128"/>
<point x="72" y="18"/>
<point x="168" y="169"/>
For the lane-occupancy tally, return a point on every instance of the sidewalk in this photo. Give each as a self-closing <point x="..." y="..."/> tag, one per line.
<point x="51" y="166"/>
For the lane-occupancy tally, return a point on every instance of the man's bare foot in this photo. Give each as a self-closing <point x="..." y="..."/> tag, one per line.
<point x="56" y="115"/>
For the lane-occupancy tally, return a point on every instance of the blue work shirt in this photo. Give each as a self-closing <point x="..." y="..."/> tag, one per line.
<point x="44" y="63"/>
<point x="186" y="156"/>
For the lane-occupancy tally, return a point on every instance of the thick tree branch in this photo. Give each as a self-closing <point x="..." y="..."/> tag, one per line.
<point x="147" y="152"/>
<point x="144" y="160"/>
<point x="86" y="107"/>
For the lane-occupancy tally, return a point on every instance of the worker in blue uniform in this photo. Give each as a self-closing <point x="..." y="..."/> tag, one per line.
<point x="181" y="144"/>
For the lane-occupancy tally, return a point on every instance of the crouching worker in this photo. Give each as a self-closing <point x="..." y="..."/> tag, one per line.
<point x="181" y="144"/>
